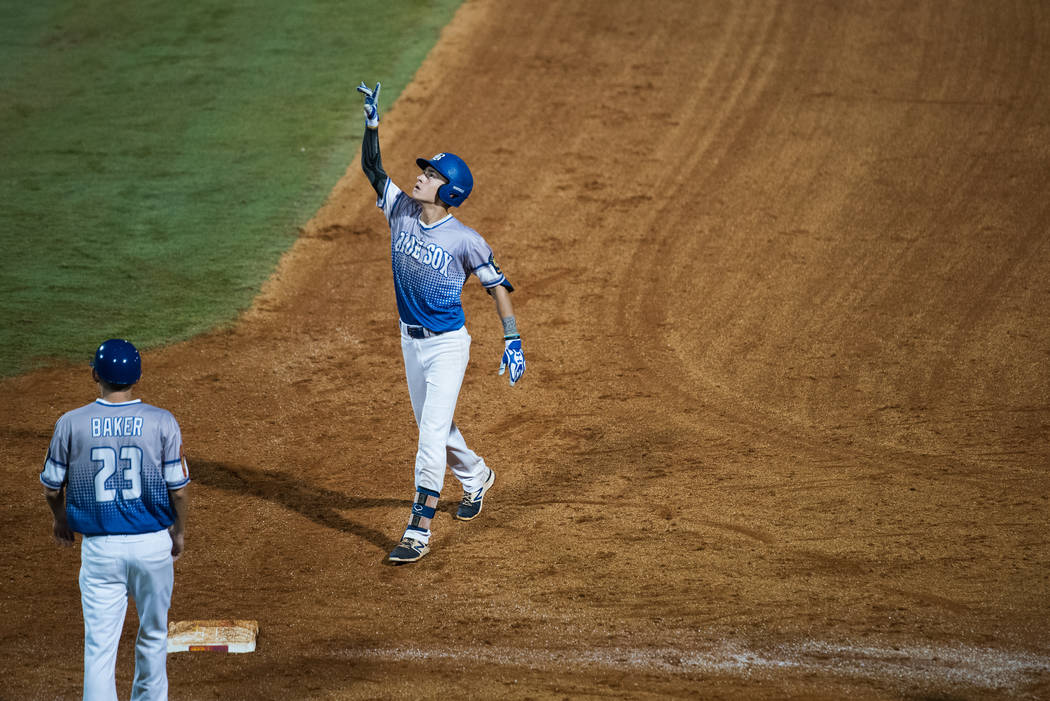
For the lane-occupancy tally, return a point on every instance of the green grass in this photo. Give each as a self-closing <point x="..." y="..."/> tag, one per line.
<point x="159" y="157"/>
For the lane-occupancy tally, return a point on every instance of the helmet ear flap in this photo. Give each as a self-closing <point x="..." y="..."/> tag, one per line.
<point x="449" y="196"/>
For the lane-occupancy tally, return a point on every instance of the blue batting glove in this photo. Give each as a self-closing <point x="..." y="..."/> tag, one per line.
<point x="371" y="103"/>
<point x="513" y="358"/>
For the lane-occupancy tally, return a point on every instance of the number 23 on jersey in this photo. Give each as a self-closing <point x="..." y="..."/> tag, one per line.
<point x="131" y="464"/>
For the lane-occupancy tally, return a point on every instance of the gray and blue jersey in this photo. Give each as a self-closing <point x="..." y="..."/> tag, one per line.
<point x="431" y="262"/>
<point x="118" y="462"/>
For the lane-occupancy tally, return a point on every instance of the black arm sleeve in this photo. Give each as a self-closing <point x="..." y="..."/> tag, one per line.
<point x="372" y="162"/>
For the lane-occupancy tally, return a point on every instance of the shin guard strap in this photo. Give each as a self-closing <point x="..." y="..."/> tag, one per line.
<point x="419" y="506"/>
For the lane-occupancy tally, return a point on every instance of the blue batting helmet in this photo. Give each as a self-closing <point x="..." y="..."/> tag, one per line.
<point x="456" y="172"/>
<point x="118" y="362"/>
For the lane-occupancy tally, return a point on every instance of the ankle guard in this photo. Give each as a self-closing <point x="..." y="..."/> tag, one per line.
<point x="422" y="511"/>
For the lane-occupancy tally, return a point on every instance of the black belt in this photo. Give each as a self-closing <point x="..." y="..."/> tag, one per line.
<point x="421" y="331"/>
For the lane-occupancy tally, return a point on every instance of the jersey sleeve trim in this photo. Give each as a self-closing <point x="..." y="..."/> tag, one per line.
<point x="490" y="275"/>
<point x="53" y="475"/>
<point x="175" y="486"/>
<point x="49" y="484"/>
<point x="176" y="473"/>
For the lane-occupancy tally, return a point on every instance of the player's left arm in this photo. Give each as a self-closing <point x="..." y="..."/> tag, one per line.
<point x="180" y="504"/>
<point x="56" y="499"/>
<point x="177" y="479"/>
<point x="513" y="357"/>
<point x="497" y="285"/>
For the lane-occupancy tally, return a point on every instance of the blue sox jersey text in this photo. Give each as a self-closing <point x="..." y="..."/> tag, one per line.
<point x="431" y="262"/>
<point x="118" y="462"/>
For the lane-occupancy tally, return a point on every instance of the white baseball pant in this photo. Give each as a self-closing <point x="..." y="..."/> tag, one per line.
<point x="111" y="568"/>
<point x="434" y="370"/>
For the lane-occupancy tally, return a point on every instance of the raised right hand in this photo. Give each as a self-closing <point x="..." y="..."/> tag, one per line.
<point x="371" y="103"/>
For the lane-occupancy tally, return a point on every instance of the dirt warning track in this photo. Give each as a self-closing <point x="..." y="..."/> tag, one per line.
<point x="783" y="271"/>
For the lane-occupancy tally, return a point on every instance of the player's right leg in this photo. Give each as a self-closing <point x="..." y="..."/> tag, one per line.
<point x="435" y="422"/>
<point x="151" y="578"/>
<point x="434" y="370"/>
<point x="104" y="597"/>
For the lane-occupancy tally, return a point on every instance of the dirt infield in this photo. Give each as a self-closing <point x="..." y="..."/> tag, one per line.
<point x="783" y="271"/>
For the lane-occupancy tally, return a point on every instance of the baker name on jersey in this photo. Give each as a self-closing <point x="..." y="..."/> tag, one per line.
<point x="428" y="254"/>
<point x="116" y="426"/>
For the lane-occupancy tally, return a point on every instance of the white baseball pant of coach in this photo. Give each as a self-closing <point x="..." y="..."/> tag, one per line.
<point x="434" y="370"/>
<point x="111" y="567"/>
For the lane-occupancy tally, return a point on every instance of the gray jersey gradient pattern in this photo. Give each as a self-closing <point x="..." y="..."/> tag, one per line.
<point x="118" y="462"/>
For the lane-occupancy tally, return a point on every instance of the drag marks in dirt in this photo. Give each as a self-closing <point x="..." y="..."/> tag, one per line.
<point x="914" y="667"/>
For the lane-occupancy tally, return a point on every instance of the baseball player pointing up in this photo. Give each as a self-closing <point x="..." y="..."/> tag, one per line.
<point x="432" y="254"/>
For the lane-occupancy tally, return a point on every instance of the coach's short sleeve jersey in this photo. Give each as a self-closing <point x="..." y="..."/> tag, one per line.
<point x="431" y="262"/>
<point x="118" y="462"/>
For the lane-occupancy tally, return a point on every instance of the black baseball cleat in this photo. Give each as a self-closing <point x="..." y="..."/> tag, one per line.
<point x="470" y="505"/>
<point x="408" y="550"/>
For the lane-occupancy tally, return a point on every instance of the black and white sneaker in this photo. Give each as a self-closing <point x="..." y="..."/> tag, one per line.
<point x="408" y="550"/>
<point x="470" y="505"/>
